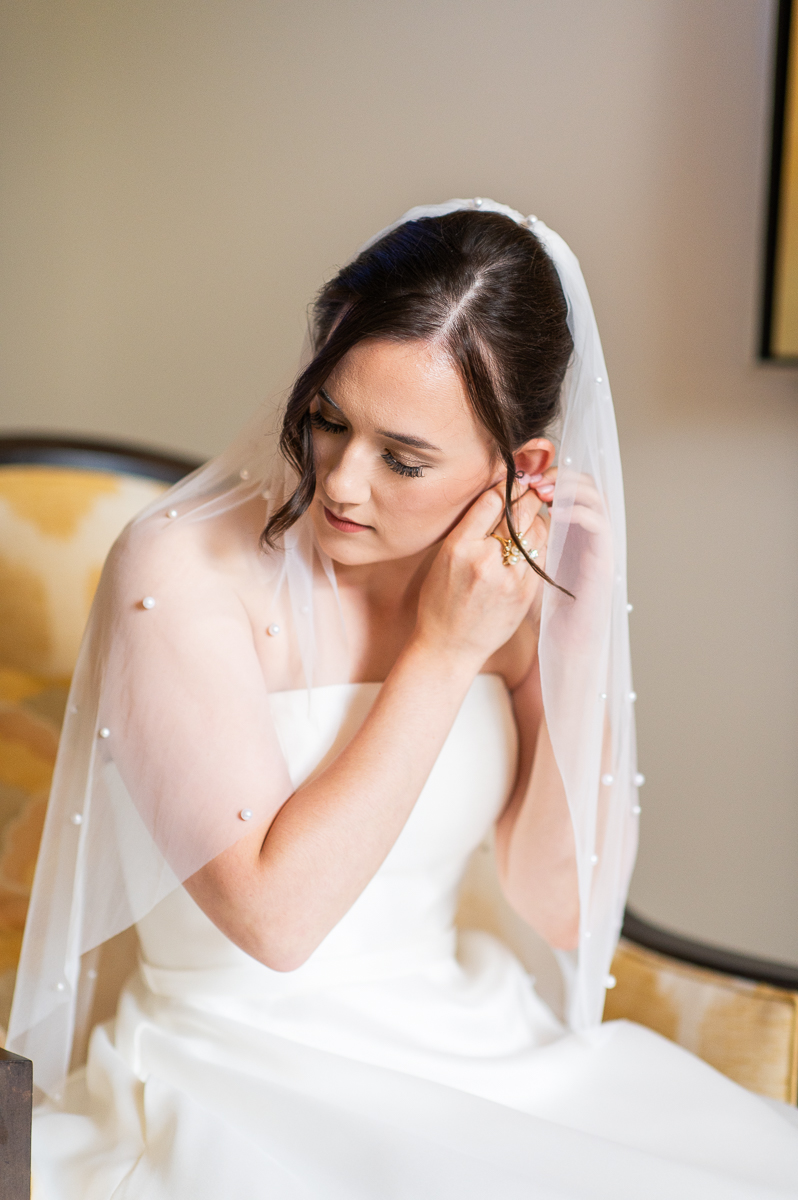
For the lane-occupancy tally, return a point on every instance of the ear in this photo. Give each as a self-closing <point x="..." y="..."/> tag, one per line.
<point x="534" y="458"/>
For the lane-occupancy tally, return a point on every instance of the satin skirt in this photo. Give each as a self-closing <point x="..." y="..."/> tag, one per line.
<point x="446" y="1078"/>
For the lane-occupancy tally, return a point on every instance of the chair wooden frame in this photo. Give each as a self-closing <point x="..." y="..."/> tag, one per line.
<point x="712" y="958"/>
<point x="31" y="449"/>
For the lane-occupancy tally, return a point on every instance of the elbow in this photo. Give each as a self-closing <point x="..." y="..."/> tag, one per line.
<point x="281" y="951"/>
<point x="561" y="935"/>
<point x="282" y="959"/>
<point x="555" y="921"/>
<point x="281" y="935"/>
<point x="558" y="927"/>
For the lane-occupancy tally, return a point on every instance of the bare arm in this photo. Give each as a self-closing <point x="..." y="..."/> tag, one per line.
<point x="278" y="892"/>
<point x="534" y="836"/>
<point x="281" y="889"/>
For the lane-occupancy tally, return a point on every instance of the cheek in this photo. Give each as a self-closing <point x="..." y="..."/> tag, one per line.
<point x="424" y="511"/>
<point x="322" y="453"/>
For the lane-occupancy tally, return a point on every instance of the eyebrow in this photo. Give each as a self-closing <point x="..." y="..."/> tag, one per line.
<point x="407" y="438"/>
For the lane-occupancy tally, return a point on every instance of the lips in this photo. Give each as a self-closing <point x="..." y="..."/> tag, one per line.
<point x="342" y="525"/>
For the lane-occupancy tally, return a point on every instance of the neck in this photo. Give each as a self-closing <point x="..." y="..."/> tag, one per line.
<point x="391" y="584"/>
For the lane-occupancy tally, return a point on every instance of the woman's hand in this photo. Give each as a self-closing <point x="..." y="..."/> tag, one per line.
<point x="470" y="602"/>
<point x="585" y="563"/>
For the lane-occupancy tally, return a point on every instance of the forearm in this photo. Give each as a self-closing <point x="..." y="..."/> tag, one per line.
<point x="536" y="852"/>
<point x="279" y="896"/>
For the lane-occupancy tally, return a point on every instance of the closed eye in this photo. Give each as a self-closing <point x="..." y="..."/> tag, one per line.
<point x="321" y="422"/>
<point x="411" y="472"/>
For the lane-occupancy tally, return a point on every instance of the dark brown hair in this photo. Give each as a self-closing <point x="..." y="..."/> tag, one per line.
<point x="477" y="284"/>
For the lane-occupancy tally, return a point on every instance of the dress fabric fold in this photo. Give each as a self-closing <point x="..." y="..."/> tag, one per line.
<point x="406" y="1059"/>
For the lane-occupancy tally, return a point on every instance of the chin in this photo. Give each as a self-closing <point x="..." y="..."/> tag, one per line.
<point x="344" y="548"/>
<point x="356" y="549"/>
<point x="362" y="549"/>
<point x="349" y="556"/>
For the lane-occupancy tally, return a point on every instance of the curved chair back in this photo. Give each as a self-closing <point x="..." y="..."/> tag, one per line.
<point x="738" y="1013"/>
<point x="63" y="502"/>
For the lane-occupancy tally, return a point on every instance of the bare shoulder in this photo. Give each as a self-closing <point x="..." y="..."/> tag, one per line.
<point x="189" y="549"/>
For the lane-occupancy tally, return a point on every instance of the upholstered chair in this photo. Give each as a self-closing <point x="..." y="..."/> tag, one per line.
<point x="738" y="1013"/>
<point x="62" y="504"/>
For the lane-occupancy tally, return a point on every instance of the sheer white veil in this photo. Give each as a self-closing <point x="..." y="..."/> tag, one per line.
<point x="141" y="800"/>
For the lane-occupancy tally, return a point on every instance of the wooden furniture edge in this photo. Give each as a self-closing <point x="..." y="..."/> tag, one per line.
<point x="703" y="954"/>
<point x="31" y="449"/>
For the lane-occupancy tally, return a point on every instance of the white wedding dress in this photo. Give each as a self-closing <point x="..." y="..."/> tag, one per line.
<point x="403" y="1061"/>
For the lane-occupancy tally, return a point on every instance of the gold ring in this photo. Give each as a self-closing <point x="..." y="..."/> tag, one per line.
<point x="510" y="552"/>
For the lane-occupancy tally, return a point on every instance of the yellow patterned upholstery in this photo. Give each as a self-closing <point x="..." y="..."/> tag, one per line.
<point x="56" y="527"/>
<point x="749" y="1031"/>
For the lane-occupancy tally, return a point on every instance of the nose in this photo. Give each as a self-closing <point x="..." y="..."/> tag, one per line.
<point x="343" y="473"/>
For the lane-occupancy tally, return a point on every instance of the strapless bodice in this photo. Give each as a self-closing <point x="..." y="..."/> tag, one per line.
<point x="409" y="905"/>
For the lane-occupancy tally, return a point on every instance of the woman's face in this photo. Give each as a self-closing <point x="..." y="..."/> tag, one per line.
<point x="399" y="453"/>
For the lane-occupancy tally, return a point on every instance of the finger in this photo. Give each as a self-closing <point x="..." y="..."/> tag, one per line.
<point x="526" y="510"/>
<point x="539" y="529"/>
<point x="541" y="485"/>
<point x="533" y="539"/>
<point x="482" y="517"/>
<point x="520" y="493"/>
<point x="521" y="485"/>
<point x="587" y="518"/>
<point x="582" y="485"/>
<point x="525" y="514"/>
<point x="550" y="475"/>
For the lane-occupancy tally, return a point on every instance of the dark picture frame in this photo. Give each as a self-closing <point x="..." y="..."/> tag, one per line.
<point x="779" y="332"/>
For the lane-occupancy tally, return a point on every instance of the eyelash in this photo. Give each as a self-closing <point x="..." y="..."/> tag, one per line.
<point x="322" y="423"/>
<point x="401" y="468"/>
<point x="393" y="464"/>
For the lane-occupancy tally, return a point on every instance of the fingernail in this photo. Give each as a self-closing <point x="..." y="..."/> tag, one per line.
<point x="533" y="478"/>
<point x="546" y="490"/>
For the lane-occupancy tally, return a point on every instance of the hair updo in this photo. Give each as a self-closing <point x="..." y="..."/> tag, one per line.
<point x="476" y="284"/>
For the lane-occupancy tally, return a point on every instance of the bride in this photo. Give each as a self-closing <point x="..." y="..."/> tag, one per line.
<point x="313" y="683"/>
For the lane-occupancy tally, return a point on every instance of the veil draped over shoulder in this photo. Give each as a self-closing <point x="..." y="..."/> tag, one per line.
<point x="169" y="748"/>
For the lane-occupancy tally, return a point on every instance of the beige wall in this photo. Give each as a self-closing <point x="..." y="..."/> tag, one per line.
<point x="179" y="177"/>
